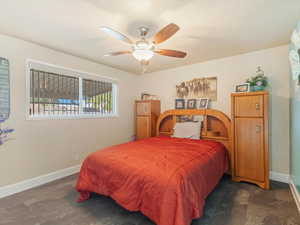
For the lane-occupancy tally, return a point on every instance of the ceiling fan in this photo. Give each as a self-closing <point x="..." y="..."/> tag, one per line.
<point x="144" y="50"/>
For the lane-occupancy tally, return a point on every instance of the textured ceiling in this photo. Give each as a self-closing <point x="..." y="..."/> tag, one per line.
<point x="210" y="29"/>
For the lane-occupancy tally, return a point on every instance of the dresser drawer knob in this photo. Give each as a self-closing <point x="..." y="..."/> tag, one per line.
<point x="257" y="106"/>
<point x="257" y="128"/>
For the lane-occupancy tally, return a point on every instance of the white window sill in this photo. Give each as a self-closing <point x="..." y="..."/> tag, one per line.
<point x="71" y="117"/>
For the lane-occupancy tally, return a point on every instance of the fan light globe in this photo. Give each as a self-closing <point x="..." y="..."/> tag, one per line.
<point x="143" y="51"/>
<point x="142" y="54"/>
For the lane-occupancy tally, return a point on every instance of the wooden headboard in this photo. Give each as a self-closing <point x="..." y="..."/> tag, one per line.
<point x="216" y="126"/>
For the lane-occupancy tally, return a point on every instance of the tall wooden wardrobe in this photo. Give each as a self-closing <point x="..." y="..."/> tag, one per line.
<point x="147" y="113"/>
<point x="250" y="118"/>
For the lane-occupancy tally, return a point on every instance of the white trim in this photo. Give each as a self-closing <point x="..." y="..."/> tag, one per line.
<point x="281" y="177"/>
<point x="80" y="96"/>
<point x="88" y="74"/>
<point x="71" y="117"/>
<point x="30" y="63"/>
<point x="44" y="179"/>
<point x="286" y="178"/>
<point x="295" y="193"/>
<point x="116" y="99"/>
<point x="37" y="181"/>
<point x="27" y="89"/>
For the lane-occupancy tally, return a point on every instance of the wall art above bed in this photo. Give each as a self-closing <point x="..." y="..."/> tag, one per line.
<point x="198" y="88"/>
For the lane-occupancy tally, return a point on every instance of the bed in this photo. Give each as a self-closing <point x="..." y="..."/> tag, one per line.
<point x="166" y="178"/>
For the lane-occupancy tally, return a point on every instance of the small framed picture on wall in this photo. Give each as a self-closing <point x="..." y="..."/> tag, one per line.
<point x="179" y="104"/>
<point x="192" y="103"/>
<point x="203" y="103"/>
<point x="242" y="87"/>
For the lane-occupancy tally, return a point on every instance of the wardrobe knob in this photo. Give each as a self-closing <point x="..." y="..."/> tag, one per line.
<point x="257" y="106"/>
<point x="257" y="128"/>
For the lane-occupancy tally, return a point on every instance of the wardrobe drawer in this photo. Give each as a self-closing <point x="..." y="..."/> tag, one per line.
<point x="249" y="106"/>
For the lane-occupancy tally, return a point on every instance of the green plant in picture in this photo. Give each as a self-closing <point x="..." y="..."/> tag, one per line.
<point x="259" y="82"/>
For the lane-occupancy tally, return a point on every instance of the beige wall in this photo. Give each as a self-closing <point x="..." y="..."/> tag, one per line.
<point x="231" y="71"/>
<point x="43" y="146"/>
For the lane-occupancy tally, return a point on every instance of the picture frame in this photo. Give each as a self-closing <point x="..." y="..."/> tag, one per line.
<point x="203" y="87"/>
<point x="203" y="103"/>
<point x="240" y="88"/>
<point x="191" y="104"/>
<point x="179" y="104"/>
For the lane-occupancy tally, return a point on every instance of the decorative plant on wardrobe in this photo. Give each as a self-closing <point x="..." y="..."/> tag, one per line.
<point x="4" y="132"/>
<point x="259" y="82"/>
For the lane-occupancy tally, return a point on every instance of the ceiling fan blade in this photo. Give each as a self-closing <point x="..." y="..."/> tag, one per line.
<point x="171" y="53"/>
<point x="118" y="53"/>
<point x="165" y="33"/>
<point x="116" y="34"/>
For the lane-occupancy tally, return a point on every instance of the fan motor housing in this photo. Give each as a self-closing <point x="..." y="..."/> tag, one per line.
<point x="143" y="31"/>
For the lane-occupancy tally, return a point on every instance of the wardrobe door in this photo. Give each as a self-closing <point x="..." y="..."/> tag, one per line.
<point x="143" y="127"/>
<point x="249" y="145"/>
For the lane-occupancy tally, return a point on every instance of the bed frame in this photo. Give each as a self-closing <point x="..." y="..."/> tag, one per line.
<point x="216" y="126"/>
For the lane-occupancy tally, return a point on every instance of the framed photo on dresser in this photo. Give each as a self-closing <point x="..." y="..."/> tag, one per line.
<point x="242" y="88"/>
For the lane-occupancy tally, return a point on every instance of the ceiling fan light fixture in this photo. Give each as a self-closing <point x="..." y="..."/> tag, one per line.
<point x="144" y="50"/>
<point x="142" y="54"/>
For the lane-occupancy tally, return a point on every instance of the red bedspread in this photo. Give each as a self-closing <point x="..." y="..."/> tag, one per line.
<point x="167" y="179"/>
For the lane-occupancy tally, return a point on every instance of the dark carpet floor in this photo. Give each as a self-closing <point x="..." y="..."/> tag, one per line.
<point x="229" y="204"/>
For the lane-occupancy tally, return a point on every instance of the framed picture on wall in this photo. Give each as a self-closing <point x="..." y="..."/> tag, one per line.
<point x="203" y="103"/>
<point x="203" y="87"/>
<point x="191" y="104"/>
<point x="242" y="87"/>
<point x="179" y="104"/>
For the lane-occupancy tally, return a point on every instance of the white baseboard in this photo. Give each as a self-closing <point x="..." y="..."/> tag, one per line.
<point x="37" y="181"/>
<point x="285" y="178"/>
<point x="295" y="193"/>
<point x="281" y="177"/>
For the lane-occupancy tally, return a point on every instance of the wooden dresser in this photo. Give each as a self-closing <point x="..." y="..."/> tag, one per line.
<point x="250" y="137"/>
<point x="147" y="113"/>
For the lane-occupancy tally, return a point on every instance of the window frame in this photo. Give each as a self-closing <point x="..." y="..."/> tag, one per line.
<point x="32" y="64"/>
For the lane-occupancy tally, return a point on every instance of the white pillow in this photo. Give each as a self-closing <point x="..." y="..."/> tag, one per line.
<point x="187" y="130"/>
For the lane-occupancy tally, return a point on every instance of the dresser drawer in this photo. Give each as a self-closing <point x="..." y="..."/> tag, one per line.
<point x="143" y="109"/>
<point x="249" y="106"/>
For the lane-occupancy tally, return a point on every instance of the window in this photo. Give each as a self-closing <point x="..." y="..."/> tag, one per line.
<point x="63" y="93"/>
